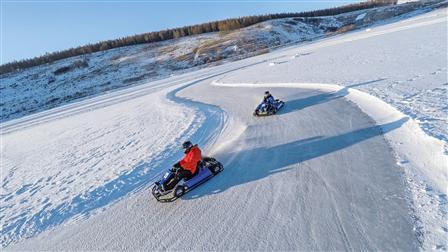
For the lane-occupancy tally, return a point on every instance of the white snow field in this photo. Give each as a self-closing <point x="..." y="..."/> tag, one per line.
<point x="345" y="165"/>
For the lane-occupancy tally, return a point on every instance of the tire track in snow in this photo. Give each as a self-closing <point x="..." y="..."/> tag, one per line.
<point x="340" y="225"/>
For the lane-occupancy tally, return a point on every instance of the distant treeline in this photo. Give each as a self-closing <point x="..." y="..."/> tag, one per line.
<point x="215" y="26"/>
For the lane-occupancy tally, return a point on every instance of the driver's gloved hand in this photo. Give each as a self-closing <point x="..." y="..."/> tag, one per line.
<point x="176" y="167"/>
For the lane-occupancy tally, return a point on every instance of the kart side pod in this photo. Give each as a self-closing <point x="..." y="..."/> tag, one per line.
<point x="203" y="174"/>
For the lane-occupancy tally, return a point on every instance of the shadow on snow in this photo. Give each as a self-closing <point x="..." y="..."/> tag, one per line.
<point x="241" y="167"/>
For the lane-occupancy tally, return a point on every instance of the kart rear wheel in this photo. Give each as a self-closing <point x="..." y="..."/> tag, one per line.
<point x="216" y="168"/>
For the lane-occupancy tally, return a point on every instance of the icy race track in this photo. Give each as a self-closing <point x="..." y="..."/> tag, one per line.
<point x="320" y="175"/>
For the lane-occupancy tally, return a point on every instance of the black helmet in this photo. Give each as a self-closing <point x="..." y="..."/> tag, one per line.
<point x="187" y="145"/>
<point x="266" y="93"/>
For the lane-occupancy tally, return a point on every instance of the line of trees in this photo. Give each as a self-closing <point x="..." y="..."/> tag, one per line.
<point x="215" y="26"/>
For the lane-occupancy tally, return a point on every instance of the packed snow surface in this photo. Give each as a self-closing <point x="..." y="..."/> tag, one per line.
<point x="328" y="172"/>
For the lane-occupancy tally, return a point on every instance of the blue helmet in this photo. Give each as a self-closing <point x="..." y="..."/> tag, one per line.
<point x="187" y="145"/>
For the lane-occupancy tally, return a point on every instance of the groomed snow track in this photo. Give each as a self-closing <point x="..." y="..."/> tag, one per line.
<point x="319" y="175"/>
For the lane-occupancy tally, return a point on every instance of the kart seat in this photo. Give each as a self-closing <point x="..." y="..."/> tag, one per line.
<point x="198" y="167"/>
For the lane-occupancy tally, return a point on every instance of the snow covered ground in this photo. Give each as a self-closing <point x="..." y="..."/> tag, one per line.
<point x="326" y="173"/>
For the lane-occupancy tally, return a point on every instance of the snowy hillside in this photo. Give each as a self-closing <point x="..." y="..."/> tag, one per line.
<point x="52" y="85"/>
<point x="356" y="160"/>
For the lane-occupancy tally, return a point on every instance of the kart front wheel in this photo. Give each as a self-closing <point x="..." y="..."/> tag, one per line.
<point x="179" y="191"/>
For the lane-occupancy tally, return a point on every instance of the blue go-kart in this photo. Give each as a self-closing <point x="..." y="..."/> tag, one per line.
<point x="266" y="110"/>
<point x="207" y="169"/>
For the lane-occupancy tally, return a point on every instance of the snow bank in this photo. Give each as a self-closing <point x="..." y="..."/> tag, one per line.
<point x="405" y="1"/>
<point x="360" y="16"/>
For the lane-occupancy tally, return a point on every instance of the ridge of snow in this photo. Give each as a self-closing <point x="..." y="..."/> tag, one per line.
<point x="360" y="16"/>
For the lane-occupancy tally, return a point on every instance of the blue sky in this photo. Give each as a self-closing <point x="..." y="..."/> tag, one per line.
<point x="32" y="28"/>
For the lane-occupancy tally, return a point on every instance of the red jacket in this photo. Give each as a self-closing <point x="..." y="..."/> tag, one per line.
<point x="191" y="159"/>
